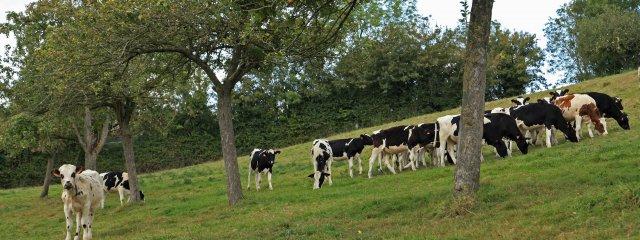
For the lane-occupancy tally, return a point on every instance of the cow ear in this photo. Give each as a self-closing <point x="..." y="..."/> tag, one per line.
<point x="514" y="101"/>
<point x="526" y="99"/>
<point x="276" y="152"/>
<point x="553" y="94"/>
<point x="56" y="172"/>
<point x="326" y="174"/>
<point x="565" y="91"/>
<point x="311" y="175"/>
<point x="79" y="169"/>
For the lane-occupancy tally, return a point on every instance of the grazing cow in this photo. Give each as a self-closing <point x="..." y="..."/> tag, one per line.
<point x="609" y="107"/>
<point x="387" y="142"/>
<point x="262" y="161"/>
<point x="321" y="158"/>
<point x="349" y="149"/>
<point x="421" y="138"/>
<point x="576" y="106"/>
<point x="117" y="181"/>
<point x="82" y="195"/>
<point x="536" y="116"/>
<point x="557" y="93"/>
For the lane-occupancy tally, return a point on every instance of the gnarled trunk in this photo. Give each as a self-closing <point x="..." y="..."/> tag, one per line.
<point x="124" y="112"/>
<point x="47" y="178"/>
<point x="225" y="120"/>
<point x="90" y="143"/>
<point x="467" y="173"/>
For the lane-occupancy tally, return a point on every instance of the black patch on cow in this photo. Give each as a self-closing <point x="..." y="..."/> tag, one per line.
<point x="503" y="126"/>
<point x="394" y="136"/>
<point x="263" y="159"/>
<point x="422" y="134"/>
<point x="347" y="147"/>
<point x="112" y="180"/>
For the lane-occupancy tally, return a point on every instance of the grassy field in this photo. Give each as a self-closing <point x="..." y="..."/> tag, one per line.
<point x="585" y="190"/>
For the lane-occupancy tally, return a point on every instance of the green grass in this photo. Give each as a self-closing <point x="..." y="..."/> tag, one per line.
<point x="586" y="190"/>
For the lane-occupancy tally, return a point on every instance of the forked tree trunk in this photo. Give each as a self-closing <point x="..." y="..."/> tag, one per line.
<point x="225" y="120"/>
<point x="124" y="112"/>
<point x="90" y="143"/>
<point x="47" y="178"/>
<point x="467" y="173"/>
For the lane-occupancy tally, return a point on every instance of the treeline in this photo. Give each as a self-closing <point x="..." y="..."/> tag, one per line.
<point x="391" y="63"/>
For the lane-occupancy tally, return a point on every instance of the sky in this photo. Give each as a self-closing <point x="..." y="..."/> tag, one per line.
<point x="519" y="15"/>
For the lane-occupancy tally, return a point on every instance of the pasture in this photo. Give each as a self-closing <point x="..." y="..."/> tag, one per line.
<point x="585" y="190"/>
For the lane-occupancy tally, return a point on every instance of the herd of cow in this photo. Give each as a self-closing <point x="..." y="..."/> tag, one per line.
<point x="84" y="190"/>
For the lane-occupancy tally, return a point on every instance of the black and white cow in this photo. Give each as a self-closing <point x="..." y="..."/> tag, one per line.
<point x="557" y="93"/>
<point x="321" y="158"/>
<point x="262" y="161"/>
<point x="387" y="142"/>
<point x="520" y="101"/>
<point x="496" y="128"/>
<point x="609" y="107"/>
<point x="536" y="116"/>
<point x="350" y="148"/>
<point x="117" y="182"/>
<point x="421" y="139"/>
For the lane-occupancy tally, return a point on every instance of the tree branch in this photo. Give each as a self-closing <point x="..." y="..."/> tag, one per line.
<point x="103" y="136"/>
<point x="82" y="143"/>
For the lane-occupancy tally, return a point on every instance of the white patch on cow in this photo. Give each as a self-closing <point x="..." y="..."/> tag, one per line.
<point x="377" y="131"/>
<point x="500" y="110"/>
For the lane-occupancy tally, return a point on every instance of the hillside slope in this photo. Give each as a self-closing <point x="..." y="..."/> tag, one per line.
<point x="580" y="190"/>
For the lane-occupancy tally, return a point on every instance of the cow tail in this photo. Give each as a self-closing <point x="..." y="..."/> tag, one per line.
<point x="436" y="139"/>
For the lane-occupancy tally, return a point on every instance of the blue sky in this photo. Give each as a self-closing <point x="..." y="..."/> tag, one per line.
<point x="519" y="15"/>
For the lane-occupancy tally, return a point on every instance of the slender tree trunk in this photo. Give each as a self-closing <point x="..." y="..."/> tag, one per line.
<point x="47" y="178"/>
<point x="467" y="173"/>
<point x="124" y="112"/>
<point x="225" y="120"/>
<point x="90" y="160"/>
<point x="89" y="142"/>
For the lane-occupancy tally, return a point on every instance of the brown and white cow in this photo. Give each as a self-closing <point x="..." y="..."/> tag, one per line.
<point x="575" y="107"/>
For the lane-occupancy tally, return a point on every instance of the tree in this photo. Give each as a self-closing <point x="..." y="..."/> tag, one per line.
<point x="91" y="142"/>
<point x="467" y="172"/>
<point x="233" y="37"/>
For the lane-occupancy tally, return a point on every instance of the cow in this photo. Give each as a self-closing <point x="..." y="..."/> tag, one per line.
<point x="261" y="161"/>
<point x="321" y="158"/>
<point x="576" y="106"/>
<point x="350" y="148"/>
<point x="82" y="194"/>
<point x="537" y="116"/>
<point x="520" y="101"/>
<point x="421" y="138"/>
<point x="609" y="107"/>
<point x="496" y="128"/>
<point x="387" y="142"/>
<point x="117" y="181"/>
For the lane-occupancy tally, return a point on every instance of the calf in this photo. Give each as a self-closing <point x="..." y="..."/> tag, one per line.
<point x="609" y="107"/>
<point x="576" y="106"/>
<point x="538" y="115"/>
<point x="82" y="194"/>
<point x="321" y="158"/>
<point x="117" y="181"/>
<point x="349" y="149"/>
<point x="387" y="142"/>
<point x="421" y="138"/>
<point x="262" y="161"/>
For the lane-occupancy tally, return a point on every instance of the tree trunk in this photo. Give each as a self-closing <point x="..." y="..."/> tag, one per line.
<point x="124" y="111"/>
<point x="47" y="178"/>
<point x="467" y="173"/>
<point x="90" y="160"/>
<point x="89" y="142"/>
<point x="225" y="120"/>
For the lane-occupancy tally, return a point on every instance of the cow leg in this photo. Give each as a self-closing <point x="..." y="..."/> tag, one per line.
<point x="86" y="227"/>
<point x="78" y="225"/>
<point x="249" y="179"/>
<point x="386" y="162"/>
<point x="121" y="194"/>
<point x="359" y="163"/>
<point x="316" y="176"/>
<point x="423" y="157"/>
<point x="257" y="181"/>
<point x="413" y="158"/>
<point x="451" y="149"/>
<point x="604" y="124"/>
<point x="329" y="178"/>
<point x="350" y="161"/>
<point x="578" y="126"/>
<point x="104" y="196"/>
<point x="68" y="214"/>
<point x="554" y="140"/>
<point x="375" y="153"/>
<point x="269" y="178"/>
<point x="590" y="128"/>
<point x="548" y="133"/>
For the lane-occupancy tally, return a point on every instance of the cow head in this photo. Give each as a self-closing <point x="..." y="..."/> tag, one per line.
<point x="623" y="121"/>
<point x="318" y="178"/>
<point x="366" y="139"/>
<point x="558" y="93"/>
<point x="546" y="100"/>
<point x="568" y="130"/>
<point x="501" y="148"/>
<point x="67" y="174"/>
<point x="519" y="101"/>
<point x="270" y="155"/>
<point x="522" y="143"/>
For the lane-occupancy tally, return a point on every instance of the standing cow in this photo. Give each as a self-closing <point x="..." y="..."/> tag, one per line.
<point x="350" y="149"/>
<point x="387" y="142"/>
<point x="82" y="194"/>
<point x="609" y="107"/>
<point x="117" y="181"/>
<point x="575" y="107"/>
<point x="538" y="116"/>
<point x="321" y="158"/>
<point x="421" y="138"/>
<point x="262" y="161"/>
